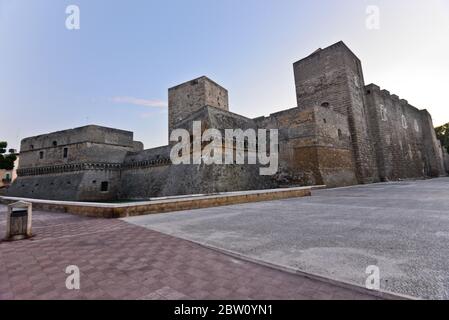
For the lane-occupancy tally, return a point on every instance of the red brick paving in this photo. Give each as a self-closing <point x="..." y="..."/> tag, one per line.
<point x="122" y="261"/>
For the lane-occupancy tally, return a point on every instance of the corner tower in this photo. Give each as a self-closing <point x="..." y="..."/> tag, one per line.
<point x="188" y="97"/>
<point x="333" y="78"/>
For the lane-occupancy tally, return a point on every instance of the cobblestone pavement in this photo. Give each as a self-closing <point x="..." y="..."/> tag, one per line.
<point x="118" y="260"/>
<point x="401" y="227"/>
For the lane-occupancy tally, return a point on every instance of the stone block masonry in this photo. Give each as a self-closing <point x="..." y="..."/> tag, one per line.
<point x="340" y="133"/>
<point x="186" y="98"/>
<point x="333" y="78"/>
<point x="404" y="138"/>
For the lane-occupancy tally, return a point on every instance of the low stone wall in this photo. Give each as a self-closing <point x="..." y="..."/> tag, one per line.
<point x="105" y="210"/>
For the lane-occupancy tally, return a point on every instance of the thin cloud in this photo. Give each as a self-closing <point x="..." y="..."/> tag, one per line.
<point x="140" y="102"/>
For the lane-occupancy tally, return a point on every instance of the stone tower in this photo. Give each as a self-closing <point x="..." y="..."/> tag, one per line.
<point x="188" y="97"/>
<point x="333" y="78"/>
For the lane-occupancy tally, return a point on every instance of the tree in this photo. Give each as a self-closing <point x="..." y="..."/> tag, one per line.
<point x="6" y="160"/>
<point x="443" y="135"/>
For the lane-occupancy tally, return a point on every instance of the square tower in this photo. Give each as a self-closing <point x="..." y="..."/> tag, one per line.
<point x="333" y="78"/>
<point x="191" y="96"/>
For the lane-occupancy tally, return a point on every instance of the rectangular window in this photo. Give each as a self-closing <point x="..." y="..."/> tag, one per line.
<point x="104" y="186"/>
<point x="66" y="152"/>
<point x="41" y="155"/>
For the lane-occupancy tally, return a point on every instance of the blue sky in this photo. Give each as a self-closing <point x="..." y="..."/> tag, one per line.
<point x="115" y="70"/>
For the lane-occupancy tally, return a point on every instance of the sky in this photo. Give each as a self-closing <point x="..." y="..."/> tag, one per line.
<point x="116" y="68"/>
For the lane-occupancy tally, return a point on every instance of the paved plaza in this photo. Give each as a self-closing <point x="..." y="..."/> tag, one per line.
<point x="401" y="227"/>
<point x="118" y="260"/>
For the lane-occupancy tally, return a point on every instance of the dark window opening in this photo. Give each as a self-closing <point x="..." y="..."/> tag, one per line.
<point x="325" y="104"/>
<point x="41" y="155"/>
<point x="31" y="147"/>
<point x="55" y="144"/>
<point x="368" y="92"/>
<point x="66" y="152"/>
<point x="94" y="182"/>
<point x="324" y="120"/>
<point x="340" y="135"/>
<point x="104" y="186"/>
<point x="194" y="82"/>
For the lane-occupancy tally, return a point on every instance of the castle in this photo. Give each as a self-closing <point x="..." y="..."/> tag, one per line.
<point x="342" y="132"/>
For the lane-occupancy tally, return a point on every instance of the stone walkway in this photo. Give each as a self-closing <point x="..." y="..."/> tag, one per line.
<point x="400" y="227"/>
<point x="118" y="260"/>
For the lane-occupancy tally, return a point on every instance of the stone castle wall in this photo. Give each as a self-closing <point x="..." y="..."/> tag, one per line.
<point x="400" y="137"/>
<point x="73" y="164"/>
<point x="189" y="97"/>
<point x="445" y="159"/>
<point x="77" y="185"/>
<point x="333" y="78"/>
<point x="314" y="146"/>
<point x="342" y="133"/>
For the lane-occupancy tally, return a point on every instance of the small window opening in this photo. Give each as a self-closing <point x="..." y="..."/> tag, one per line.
<point x="65" y="153"/>
<point x="325" y="104"/>
<point x="340" y="135"/>
<point x="104" y="186"/>
<point x="41" y="155"/>
<point x="55" y="144"/>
